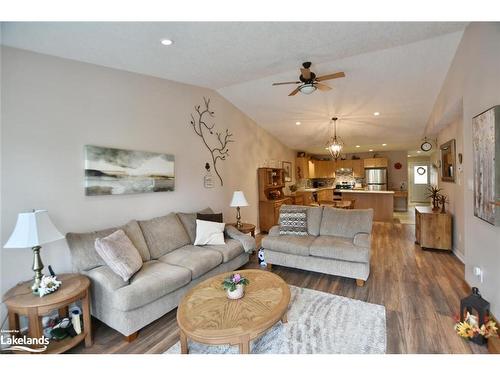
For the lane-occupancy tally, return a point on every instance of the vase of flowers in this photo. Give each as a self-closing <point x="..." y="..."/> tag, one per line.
<point x="434" y="194"/>
<point x="234" y="285"/>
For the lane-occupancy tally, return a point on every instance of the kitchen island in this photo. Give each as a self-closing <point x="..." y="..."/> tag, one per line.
<point x="381" y="201"/>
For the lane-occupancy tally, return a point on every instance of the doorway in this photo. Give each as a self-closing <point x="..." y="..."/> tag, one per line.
<point x="418" y="180"/>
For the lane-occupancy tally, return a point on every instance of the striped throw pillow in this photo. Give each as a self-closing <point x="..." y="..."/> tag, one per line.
<point x="293" y="221"/>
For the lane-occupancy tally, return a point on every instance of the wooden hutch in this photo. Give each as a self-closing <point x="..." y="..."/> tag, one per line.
<point x="271" y="196"/>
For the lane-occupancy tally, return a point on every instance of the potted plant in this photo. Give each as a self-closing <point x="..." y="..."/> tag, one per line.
<point x="234" y="285"/>
<point x="434" y="195"/>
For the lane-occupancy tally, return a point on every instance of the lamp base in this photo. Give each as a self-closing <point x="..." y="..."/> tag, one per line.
<point x="37" y="267"/>
<point x="238" y="218"/>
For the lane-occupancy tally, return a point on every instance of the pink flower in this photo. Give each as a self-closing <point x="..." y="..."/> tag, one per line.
<point x="236" y="278"/>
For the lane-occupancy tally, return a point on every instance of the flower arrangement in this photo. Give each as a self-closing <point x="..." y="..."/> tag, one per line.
<point x="469" y="329"/>
<point x="49" y="284"/>
<point x="434" y="194"/>
<point x="230" y="283"/>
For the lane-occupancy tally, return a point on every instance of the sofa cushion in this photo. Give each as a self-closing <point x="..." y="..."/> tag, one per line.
<point x="229" y="251"/>
<point x="198" y="260"/>
<point x="120" y="254"/>
<point x="298" y="245"/>
<point x="345" y="223"/>
<point x="154" y="280"/>
<point x="164" y="234"/>
<point x="189" y="221"/>
<point x="293" y="220"/>
<point x="209" y="233"/>
<point x="314" y="215"/>
<point x="342" y="248"/>
<point x="82" y="245"/>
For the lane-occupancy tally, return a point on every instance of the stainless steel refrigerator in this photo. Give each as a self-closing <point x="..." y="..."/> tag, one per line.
<point x="376" y="178"/>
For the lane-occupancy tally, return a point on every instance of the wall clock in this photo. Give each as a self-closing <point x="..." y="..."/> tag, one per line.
<point x="426" y="146"/>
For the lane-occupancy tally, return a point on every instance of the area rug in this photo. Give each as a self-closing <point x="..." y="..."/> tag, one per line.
<point x="318" y="323"/>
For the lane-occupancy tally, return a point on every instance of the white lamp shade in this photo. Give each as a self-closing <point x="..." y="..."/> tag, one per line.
<point x="239" y="199"/>
<point x="33" y="229"/>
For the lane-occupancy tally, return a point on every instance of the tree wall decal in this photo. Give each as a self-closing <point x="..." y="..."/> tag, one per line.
<point x="218" y="145"/>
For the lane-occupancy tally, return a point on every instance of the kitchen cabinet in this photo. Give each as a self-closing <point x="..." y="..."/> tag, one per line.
<point x="358" y="168"/>
<point x="325" y="195"/>
<point x="302" y="168"/>
<point x="323" y="169"/>
<point x="375" y="163"/>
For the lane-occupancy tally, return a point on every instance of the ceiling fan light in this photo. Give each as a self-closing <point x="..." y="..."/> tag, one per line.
<point x="307" y="88"/>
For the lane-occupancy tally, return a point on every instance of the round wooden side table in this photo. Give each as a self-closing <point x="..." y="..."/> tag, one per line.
<point x="21" y="301"/>
<point x="245" y="228"/>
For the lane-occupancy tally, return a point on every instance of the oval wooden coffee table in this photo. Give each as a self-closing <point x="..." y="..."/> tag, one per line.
<point x="206" y="315"/>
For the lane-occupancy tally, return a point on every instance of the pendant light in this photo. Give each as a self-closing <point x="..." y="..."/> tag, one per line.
<point x="335" y="144"/>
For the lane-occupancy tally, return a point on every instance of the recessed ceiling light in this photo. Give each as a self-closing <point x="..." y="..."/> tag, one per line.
<point x="298" y="123"/>
<point x="384" y="144"/>
<point x="358" y="146"/>
<point x="376" y="113"/>
<point x="370" y="150"/>
<point x="418" y="152"/>
<point x="167" y="42"/>
<point x="409" y="156"/>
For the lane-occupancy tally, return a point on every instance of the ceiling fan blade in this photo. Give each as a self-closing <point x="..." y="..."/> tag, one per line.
<point x="286" y="83"/>
<point x="294" y="91"/>
<point x="330" y="76"/>
<point x="322" y="86"/>
<point x="306" y="73"/>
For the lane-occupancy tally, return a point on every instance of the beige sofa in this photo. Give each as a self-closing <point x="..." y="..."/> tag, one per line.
<point x="171" y="266"/>
<point x="338" y="243"/>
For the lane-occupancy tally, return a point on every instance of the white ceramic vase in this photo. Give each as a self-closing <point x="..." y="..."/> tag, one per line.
<point x="237" y="293"/>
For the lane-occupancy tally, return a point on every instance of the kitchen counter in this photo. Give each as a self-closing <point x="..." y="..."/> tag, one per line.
<point x="314" y="190"/>
<point x="363" y="191"/>
<point x="382" y="202"/>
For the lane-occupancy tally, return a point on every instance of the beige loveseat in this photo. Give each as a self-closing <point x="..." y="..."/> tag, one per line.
<point x="337" y="243"/>
<point x="171" y="266"/>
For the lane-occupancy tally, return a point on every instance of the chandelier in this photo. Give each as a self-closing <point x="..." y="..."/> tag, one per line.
<point x="335" y="144"/>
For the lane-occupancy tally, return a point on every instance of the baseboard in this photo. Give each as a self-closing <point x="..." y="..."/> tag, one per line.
<point x="459" y="256"/>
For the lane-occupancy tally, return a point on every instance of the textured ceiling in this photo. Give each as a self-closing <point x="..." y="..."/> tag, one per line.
<point x="395" y="68"/>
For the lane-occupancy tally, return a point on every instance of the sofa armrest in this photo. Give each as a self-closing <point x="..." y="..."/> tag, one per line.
<point x="362" y="240"/>
<point x="274" y="231"/>
<point x="103" y="278"/>
<point x="247" y="242"/>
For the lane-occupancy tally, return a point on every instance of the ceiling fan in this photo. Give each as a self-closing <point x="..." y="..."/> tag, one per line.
<point x="308" y="82"/>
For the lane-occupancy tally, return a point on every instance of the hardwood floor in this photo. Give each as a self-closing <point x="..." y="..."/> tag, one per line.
<point x="420" y="290"/>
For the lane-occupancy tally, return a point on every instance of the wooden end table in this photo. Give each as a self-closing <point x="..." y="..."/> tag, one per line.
<point x="206" y="315"/>
<point x="21" y="301"/>
<point x="245" y="228"/>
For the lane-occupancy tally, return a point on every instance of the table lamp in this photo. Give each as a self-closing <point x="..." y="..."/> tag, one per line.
<point x="32" y="230"/>
<point x="238" y="201"/>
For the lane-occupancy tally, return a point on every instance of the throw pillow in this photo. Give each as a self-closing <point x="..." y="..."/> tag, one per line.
<point x="209" y="233"/>
<point x="120" y="254"/>
<point x="210" y="217"/>
<point x="293" y="221"/>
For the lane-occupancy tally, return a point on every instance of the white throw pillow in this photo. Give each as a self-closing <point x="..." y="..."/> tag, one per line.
<point x="209" y="233"/>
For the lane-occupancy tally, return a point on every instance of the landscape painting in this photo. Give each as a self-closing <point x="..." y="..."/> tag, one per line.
<point x="486" y="163"/>
<point x="112" y="171"/>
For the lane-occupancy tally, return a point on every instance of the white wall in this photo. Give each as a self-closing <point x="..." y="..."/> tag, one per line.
<point x="52" y="107"/>
<point x="453" y="190"/>
<point x="474" y="81"/>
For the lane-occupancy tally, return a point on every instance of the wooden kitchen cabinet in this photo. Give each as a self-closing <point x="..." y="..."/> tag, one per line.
<point x="358" y="168"/>
<point x="325" y="195"/>
<point x="433" y="230"/>
<point x="302" y="168"/>
<point x="323" y="168"/>
<point x="375" y="163"/>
